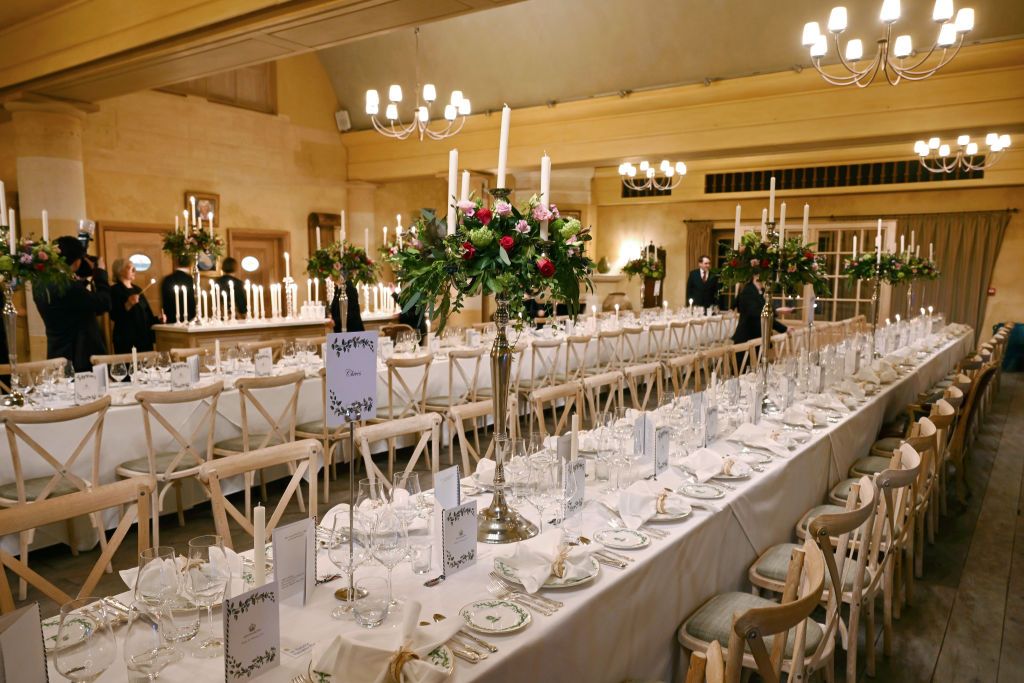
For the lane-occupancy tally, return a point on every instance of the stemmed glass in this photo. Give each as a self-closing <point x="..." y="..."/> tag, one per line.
<point x="370" y="502"/>
<point x="158" y="579"/>
<point x="145" y="651"/>
<point x="288" y="353"/>
<point x="119" y="371"/>
<point x="542" y="487"/>
<point x="207" y="576"/>
<point x="85" y="640"/>
<point x="389" y="543"/>
<point x="345" y="560"/>
<point x="405" y="494"/>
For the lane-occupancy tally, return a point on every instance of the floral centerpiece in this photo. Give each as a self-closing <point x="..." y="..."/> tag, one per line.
<point x="645" y="268"/>
<point x="37" y="262"/>
<point x="193" y="242"/>
<point x="895" y="269"/>
<point x="795" y="264"/>
<point x="496" y="249"/>
<point x="342" y="259"/>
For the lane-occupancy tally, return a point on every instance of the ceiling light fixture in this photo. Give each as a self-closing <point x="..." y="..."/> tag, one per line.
<point x="938" y="157"/>
<point x="891" y="56"/>
<point x="455" y="112"/>
<point x="645" y="176"/>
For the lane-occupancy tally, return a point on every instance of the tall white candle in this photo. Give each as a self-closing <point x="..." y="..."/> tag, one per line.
<point x="13" y="235"/>
<point x="506" y="121"/>
<point x="736" y="230"/>
<point x="343" y="225"/>
<point x="453" y="178"/>
<point x="764" y="224"/>
<point x="216" y="353"/>
<point x="464" y="194"/>
<point x="177" y="224"/>
<point x="224" y="310"/>
<point x="259" y="548"/>
<point x="917" y="251"/>
<point x="135" y="358"/>
<point x="385" y="236"/>
<point x="192" y="201"/>
<point x="316" y="290"/>
<point x="912" y="240"/>
<point x="902" y="246"/>
<point x="209" y="220"/>
<point x="184" y="220"/>
<point x="878" y="241"/>
<point x="545" y="191"/>
<point x="231" y="297"/>
<point x="771" y="200"/>
<point x="248" y="299"/>
<point x="318" y="238"/>
<point x="782" y="225"/>
<point x="177" y="308"/>
<point x="805" y="231"/>
<point x="574" y="441"/>
<point x="287" y="266"/>
<point x="46" y="226"/>
<point x="855" y="246"/>
<point x="931" y="251"/>
<point x="309" y="290"/>
<point x="398" y="235"/>
<point x="3" y="201"/>
<point x="366" y="240"/>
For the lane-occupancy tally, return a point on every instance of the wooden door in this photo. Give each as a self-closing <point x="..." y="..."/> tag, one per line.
<point x="138" y="243"/>
<point x="267" y="248"/>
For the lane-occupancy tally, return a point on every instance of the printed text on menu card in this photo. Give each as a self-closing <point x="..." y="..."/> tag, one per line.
<point x="351" y="376"/>
<point x="252" y="633"/>
<point x="458" y="537"/>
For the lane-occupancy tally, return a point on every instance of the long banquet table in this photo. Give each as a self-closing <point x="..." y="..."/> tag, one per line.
<point x="623" y="624"/>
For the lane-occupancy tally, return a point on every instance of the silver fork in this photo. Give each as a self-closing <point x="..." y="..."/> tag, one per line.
<point x="512" y="588"/>
<point x="498" y="591"/>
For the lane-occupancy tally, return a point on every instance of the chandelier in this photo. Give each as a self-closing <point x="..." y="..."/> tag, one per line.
<point x="455" y="112"/>
<point x="891" y="56"/>
<point x="939" y="158"/>
<point x="671" y="175"/>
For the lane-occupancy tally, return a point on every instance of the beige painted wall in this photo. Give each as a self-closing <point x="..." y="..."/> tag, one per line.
<point x="623" y="226"/>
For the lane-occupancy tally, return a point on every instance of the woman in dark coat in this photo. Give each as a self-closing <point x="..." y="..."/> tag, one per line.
<point x="354" y="320"/>
<point x="749" y="304"/>
<point x="130" y="313"/>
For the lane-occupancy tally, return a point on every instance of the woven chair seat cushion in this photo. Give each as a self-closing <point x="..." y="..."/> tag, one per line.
<point x="818" y="510"/>
<point x="33" y="487"/>
<point x="774" y="564"/>
<point x="872" y="464"/>
<point x="713" y="621"/>
<point x="841" y="491"/>
<point x="163" y="461"/>
<point x="255" y="441"/>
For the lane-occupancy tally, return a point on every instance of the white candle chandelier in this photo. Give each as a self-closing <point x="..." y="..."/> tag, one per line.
<point x="671" y="175"/>
<point x="938" y="157"/>
<point x="891" y="56"/>
<point x="455" y="112"/>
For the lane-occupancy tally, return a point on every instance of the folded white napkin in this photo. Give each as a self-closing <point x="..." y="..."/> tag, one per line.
<point x="867" y="374"/>
<point x="643" y="499"/>
<point x="545" y="555"/>
<point x="485" y="471"/>
<point x="885" y="371"/>
<point x="759" y="436"/>
<point x="230" y="557"/>
<point x="589" y="441"/>
<point x="704" y="463"/>
<point x="826" y="401"/>
<point x="374" y="656"/>
<point x="797" y="416"/>
<point x="850" y="388"/>
<point x="130" y="575"/>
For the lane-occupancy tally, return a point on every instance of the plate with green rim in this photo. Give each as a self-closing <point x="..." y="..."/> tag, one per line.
<point x="509" y="572"/>
<point x="622" y="539"/>
<point x="442" y="657"/>
<point x="495" y="616"/>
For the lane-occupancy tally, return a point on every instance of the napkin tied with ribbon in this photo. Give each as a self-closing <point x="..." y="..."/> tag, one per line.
<point x="644" y="499"/>
<point x="536" y="559"/>
<point x="758" y="436"/>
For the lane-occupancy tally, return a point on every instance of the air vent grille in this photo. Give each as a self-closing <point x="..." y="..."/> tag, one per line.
<point x="629" y="193"/>
<point x="847" y="175"/>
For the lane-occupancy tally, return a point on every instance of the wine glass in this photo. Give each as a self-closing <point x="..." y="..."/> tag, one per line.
<point x="288" y="353"/>
<point x="144" y="649"/>
<point x="119" y="371"/>
<point x="158" y="578"/>
<point x="541" y="489"/>
<point x="85" y="640"/>
<point x="370" y="502"/>
<point x="207" y="576"/>
<point x="346" y="550"/>
<point x="405" y="493"/>
<point x="389" y="543"/>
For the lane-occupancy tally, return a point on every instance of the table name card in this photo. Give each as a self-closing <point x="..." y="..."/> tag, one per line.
<point x="448" y="487"/>
<point x="662" y="445"/>
<point x="264" y="362"/>
<point x="86" y="387"/>
<point x="351" y="377"/>
<point x="575" y="472"/>
<point x="252" y="633"/>
<point x="458" y="538"/>
<point x="817" y="379"/>
<point x="193" y="368"/>
<point x="643" y="436"/>
<point x="181" y="376"/>
<point x="755" y="406"/>
<point x="294" y="555"/>
<point x="100" y="370"/>
<point x="22" y="658"/>
<point x="788" y="391"/>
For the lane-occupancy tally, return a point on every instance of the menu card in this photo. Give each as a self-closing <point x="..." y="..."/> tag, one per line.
<point x="643" y="436"/>
<point x="264" y="362"/>
<point x="252" y="633"/>
<point x="788" y="391"/>
<point x="351" y="377"/>
<point x="575" y="470"/>
<point x="458" y="537"/>
<point x="100" y="370"/>
<point x="22" y="658"/>
<point x="294" y="557"/>
<point x="181" y="376"/>
<point x="662" y="445"/>
<point x="448" y="487"/>
<point x="193" y="368"/>
<point x="755" y="406"/>
<point x="86" y="387"/>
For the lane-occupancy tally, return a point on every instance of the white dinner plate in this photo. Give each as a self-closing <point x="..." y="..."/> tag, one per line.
<point x="665" y="517"/>
<point x="442" y="657"/>
<point x="702" y="491"/>
<point x="495" y="616"/>
<point x="622" y="539"/>
<point x="552" y="581"/>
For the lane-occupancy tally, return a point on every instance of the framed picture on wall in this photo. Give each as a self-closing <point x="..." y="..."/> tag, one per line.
<point x="571" y="213"/>
<point x="206" y="203"/>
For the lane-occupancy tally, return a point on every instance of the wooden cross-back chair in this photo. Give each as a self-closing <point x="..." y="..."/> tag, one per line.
<point x="712" y="361"/>
<point x="181" y="355"/>
<point x="301" y="457"/>
<point x="610" y="384"/>
<point x="126" y="358"/>
<point x="645" y="385"/>
<point x="943" y="415"/>
<point x="970" y="415"/>
<point x="761" y="629"/>
<point x="576" y="347"/>
<point x="474" y="412"/>
<point x="463" y="378"/>
<point x="26" y="427"/>
<point x="276" y="347"/>
<point x="631" y="351"/>
<point x="747" y="354"/>
<point x="131" y="496"/>
<point x="677" y="337"/>
<point x="173" y="463"/>
<point x="31" y="372"/>
<point x="408" y="378"/>
<point x="549" y="398"/>
<point x="707" y="667"/>
<point x="424" y="428"/>
<point x="609" y="350"/>
<point x="280" y="428"/>
<point x="544" y="361"/>
<point x="330" y="439"/>
<point x="682" y="370"/>
<point x="694" y="340"/>
<point x="657" y="342"/>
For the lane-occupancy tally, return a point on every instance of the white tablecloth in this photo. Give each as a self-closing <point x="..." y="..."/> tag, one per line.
<point x="624" y="623"/>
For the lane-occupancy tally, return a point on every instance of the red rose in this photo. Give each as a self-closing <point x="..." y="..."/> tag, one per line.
<point x="735" y="263"/>
<point x="507" y="242"/>
<point x="470" y="250"/>
<point x="483" y="214"/>
<point x="808" y="255"/>
<point x="40" y="266"/>
<point x="545" y="266"/>
<point x="765" y="263"/>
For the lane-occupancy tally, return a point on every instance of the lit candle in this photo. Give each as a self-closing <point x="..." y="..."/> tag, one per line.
<point x="231" y="297"/>
<point x="737" y="230"/>
<point x="464" y="194"/>
<point x="46" y="226"/>
<point x="506" y="116"/>
<point x="209" y="219"/>
<point x="177" y="308"/>
<point x="931" y="249"/>
<point x="764" y="224"/>
<point x="782" y="225"/>
<point x="854" y="246"/>
<point x="3" y="201"/>
<point x="545" y="191"/>
<point x="287" y="266"/>
<point x="259" y="548"/>
<point x="318" y="238"/>
<point x="593" y="312"/>
<point x="14" y="231"/>
<point x="664" y="306"/>
<point x="192" y="200"/>
<point x="691" y="303"/>
<point x="805" y="234"/>
<point x="930" y="309"/>
<point x="771" y="200"/>
<point x="453" y="178"/>
<point x="616" y="312"/>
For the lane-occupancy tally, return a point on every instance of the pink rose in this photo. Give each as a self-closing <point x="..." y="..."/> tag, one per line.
<point x="467" y="207"/>
<point x="754" y="263"/>
<point x="522" y="227"/>
<point x="541" y="214"/>
<point x="502" y="208"/>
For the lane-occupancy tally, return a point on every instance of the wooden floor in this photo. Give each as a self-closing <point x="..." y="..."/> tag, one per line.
<point x="967" y="620"/>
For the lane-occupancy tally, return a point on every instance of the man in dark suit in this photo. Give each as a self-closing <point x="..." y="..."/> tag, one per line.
<point x="69" y="314"/>
<point x="749" y="304"/>
<point x="182" y="278"/>
<point x="354" y="319"/>
<point x="702" y="285"/>
<point x="229" y="267"/>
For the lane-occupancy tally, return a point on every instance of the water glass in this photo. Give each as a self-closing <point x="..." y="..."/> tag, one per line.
<point x="118" y="372"/>
<point x="389" y="543"/>
<point x="85" y="640"/>
<point x="179" y="618"/>
<point x="144" y="649"/>
<point x="371" y="500"/>
<point x="420" y="550"/>
<point x="207" y="576"/>
<point x="158" y="577"/>
<point x="347" y="552"/>
<point x="372" y="601"/>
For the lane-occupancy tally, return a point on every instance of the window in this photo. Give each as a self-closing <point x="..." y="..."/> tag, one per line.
<point x="250" y="264"/>
<point x="141" y="262"/>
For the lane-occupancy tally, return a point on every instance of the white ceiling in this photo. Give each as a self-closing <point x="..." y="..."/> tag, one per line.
<point x="539" y="51"/>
